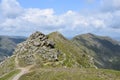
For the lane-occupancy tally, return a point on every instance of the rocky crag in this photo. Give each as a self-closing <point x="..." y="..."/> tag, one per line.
<point x="44" y="50"/>
<point x="37" y="49"/>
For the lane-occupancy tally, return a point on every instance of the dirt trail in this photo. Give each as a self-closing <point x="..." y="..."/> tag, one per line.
<point x="24" y="70"/>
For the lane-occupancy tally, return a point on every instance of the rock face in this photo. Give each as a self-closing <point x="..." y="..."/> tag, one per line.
<point x="37" y="48"/>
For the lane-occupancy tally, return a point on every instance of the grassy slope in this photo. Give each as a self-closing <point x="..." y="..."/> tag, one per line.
<point x="72" y="74"/>
<point x="7" y="66"/>
<point x="101" y="46"/>
<point x="10" y="75"/>
<point x="74" y="56"/>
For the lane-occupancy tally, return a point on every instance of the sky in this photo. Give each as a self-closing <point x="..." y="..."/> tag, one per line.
<point x="70" y="17"/>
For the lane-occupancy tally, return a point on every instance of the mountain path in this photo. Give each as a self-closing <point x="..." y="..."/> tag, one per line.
<point x="23" y="71"/>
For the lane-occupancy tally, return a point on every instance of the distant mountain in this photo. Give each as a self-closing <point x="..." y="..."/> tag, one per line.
<point x="7" y="45"/>
<point x="105" y="50"/>
<point x="75" y="56"/>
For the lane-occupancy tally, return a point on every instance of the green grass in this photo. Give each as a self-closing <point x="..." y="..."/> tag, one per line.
<point x="7" y="66"/>
<point x="72" y="74"/>
<point x="73" y="54"/>
<point x="104" y="50"/>
<point x="10" y="75"/>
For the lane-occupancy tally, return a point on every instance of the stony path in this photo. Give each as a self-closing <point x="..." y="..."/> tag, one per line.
<point x="23" y="71"/>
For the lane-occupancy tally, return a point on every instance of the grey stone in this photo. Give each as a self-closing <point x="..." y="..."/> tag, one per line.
<point x="37" y="44"/>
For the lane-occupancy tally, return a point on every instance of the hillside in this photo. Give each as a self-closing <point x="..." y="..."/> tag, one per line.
<point x="7" y="45"/>
<point x="45" y="51"/>
<point x="72" y="74"/>
<point x="52" y="57"/>
<point x="73" y="53"/>
<point x="106" y="51"/>
<point x="52" y="50"/>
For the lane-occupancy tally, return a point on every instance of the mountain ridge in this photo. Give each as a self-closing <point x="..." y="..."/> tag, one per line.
<point x="46" y="51"/>
<point x="105" y="49"/>
<point x="42" y="55"/>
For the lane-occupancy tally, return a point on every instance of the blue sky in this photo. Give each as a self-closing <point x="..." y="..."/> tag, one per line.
<point x="62" y="6"/>
<point x="70" y="17"/>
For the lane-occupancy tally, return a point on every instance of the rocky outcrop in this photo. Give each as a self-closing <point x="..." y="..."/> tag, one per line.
<point x="37" y="48"/>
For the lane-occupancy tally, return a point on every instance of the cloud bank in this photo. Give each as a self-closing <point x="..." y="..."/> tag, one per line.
<point x="16" y="20"/>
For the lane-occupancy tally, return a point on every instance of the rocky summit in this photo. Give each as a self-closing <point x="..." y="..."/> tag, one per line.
<point x="37" y="49"/>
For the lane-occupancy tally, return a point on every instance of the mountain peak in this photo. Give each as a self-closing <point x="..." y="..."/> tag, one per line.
<point x="36" y="35"/>
<point x="37" y="48"/>
<point x="56" y="33"/>
<point x="88" y="35"/>
<point x="101" y="46"/>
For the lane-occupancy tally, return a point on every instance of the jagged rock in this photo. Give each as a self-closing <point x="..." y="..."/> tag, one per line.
<point x="36" y="35"/>
<point x="50" y="44"/>
<point x="37" y="45"/>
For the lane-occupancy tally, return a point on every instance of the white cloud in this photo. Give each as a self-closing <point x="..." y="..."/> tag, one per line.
<point x="110" y="5"/>
<point x="10" y="8"/>
<point x="20" y="21"/>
